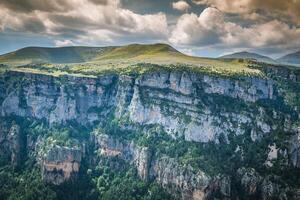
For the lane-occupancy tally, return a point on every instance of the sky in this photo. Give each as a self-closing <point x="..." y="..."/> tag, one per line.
<point x="207" y="28"/>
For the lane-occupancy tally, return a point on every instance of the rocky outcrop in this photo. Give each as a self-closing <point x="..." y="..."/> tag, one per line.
<point x="15" y="137"/>
<point x="163" y="169"/>
<point x="58" y="99"/>
<point x="178" y="102"/>
<point x="60" y="164"/>
<point x="255" y="186"/>
<point x="295" y="150"/>
<point x="248" y="89"/>
<point x="219" y="187"/>
<point x="167" y="172"/>
<point x="138" y="156"/>
<point x="11" y="144"/>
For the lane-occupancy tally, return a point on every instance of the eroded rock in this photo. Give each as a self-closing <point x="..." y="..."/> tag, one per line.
<point x="61" y="164"/>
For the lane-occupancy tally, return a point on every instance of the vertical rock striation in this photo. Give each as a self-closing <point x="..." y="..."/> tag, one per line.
<point x="60" y="164"/>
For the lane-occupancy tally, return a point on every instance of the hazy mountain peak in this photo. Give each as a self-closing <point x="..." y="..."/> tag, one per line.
<point x="249" y="55"/>
<point x="292" y="58"/>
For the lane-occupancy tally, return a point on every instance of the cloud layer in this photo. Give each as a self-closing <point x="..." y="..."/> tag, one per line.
<point x="271" y="26"/>
<point x="279" y="8"/>
<point x="210" y="28"/>
<point x="80" y="20"/>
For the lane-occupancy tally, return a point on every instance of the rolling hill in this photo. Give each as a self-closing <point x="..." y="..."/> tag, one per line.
<point x="250" y="56"/>
<point x="51" y="55"/>
<point x="62" y="55"/>
<point x="91" y="60"/>
<point x="293" y="58"/>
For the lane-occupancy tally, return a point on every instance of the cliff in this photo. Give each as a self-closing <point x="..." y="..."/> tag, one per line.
<point x="60" y="164"/>
<point x="163" y="169"/>
<point x="182" y="103"/>
<point x="169" y="124"/>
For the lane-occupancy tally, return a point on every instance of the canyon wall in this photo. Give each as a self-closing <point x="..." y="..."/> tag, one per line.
<point x="194" y="107"/>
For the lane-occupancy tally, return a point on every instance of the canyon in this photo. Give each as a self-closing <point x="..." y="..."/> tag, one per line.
<point x="140" y="117"/>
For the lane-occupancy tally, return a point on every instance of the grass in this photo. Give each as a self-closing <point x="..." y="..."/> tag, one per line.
<point x="92" y="61"/>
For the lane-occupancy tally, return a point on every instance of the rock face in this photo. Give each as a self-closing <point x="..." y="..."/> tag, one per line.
<point x="138" y="156"/>
<point x="176" y="101"/>
<point x="256" y="187"/>
<point x="190" y="184"/>
<point x="11" y="144"/>
<point x="181" y="102"/>
<point x="190" y="106"/>
<point x="60" y="164"/>
<point x="163" y="169"/>
<point x="295" y="150"/>
<point x="58" y="100"/>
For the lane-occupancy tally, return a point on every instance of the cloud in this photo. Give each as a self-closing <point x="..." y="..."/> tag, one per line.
<point x="79" y="19"/>
<point x="210" y="28"/>
<point x="63" y="43"/>
<point x="269" y="25"/>
<point x="21" y="22"/>
<point x="277" y="8"/>
<point x="37" y="5"/>
<point x="193" y="30"/>
<point x="180" y="5"/>
<point x="187" y="51"/>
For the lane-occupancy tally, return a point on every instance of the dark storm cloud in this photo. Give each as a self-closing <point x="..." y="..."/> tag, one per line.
<point x="101" y="2"/>
<point x="68" y="32"/>
<point x="70" y="21"/>
<point x="41" y="5"/>
<point x="33" y="25"/>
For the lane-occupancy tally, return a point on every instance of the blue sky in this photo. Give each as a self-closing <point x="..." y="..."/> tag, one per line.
<point x="198" y="27"/>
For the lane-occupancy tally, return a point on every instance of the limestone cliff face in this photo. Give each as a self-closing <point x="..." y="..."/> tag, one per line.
<point x="138" y="156"/>
<point x="183" y="104"/>
<point x="57" y="100"/>
<point x="11" y="144"/>
<point x="295" y="150"/>
<point x="60" y="164"/>
<point x="163" y="169"/>
<point x="257" y="187"/>
<point x="178" y="101"/>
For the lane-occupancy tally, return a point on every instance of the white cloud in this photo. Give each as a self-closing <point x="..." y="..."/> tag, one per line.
<point x="180" y="5"/>
<point x="193" y="30"/>
<point x="277" y="8"/>
<point x="187" y="51"/>
<point x="82" y="19"/>
<point x="210" y="28"/>
<point x="63" y="43"/>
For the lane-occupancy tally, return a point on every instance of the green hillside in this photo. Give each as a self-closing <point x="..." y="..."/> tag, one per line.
<point x="293" y="58"/>
<point x="95" y="60"/>
<point x="250" y="56"/>
<point x="51" y="55"/>
<point x="154" y="53"/>
<point x="137" y="51"/>
<point x="63" y="55"/>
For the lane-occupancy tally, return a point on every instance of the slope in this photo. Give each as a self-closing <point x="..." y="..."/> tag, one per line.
<point x="250" y="56"/>
<point x="292" y="58"/>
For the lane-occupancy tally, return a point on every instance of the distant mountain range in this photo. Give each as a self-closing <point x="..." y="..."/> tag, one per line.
<point x="293" y="58"/>
<point x="133" y="52"/>
<point x="250" y="56"/>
